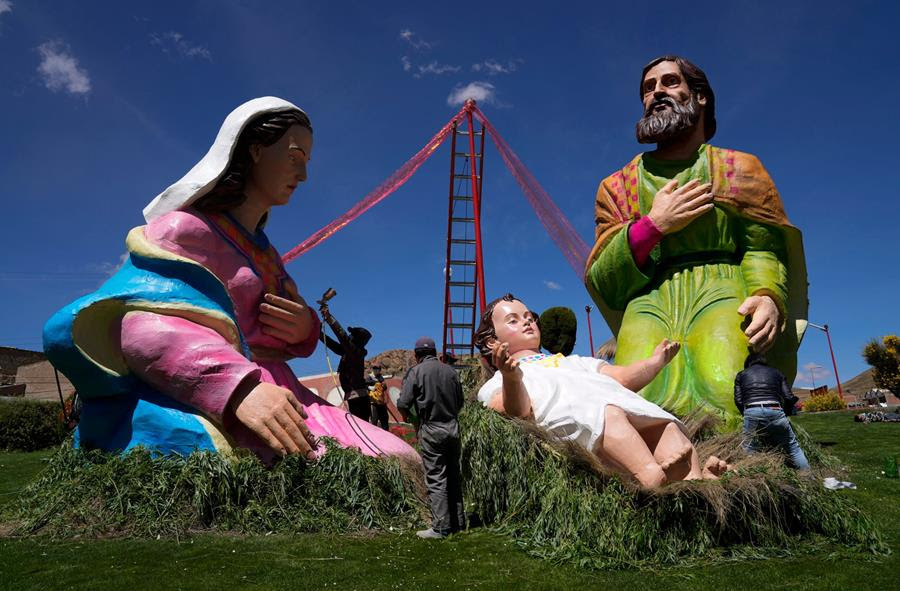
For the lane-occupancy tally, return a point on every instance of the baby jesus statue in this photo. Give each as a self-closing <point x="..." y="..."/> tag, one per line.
<point x="585" y="400"/>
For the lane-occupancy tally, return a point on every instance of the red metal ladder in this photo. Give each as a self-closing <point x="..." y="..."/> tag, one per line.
<point x="464" y="268"/>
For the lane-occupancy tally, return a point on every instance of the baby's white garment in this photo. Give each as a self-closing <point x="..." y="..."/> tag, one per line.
<point x="569" y="396"/>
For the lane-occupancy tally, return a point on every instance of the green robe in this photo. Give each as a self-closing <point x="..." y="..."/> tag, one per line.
<point x="695" y="280"/>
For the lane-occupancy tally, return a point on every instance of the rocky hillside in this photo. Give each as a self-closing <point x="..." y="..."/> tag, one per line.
<point x="394" y="361"/>
<point x="11" y="359"/>
<point x="860" y="384"/>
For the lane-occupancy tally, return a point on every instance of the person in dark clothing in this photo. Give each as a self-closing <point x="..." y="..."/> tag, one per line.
<point x="352" y="367"/>
<point x="378" y="396"/>
<point x="762" y="395"/>
<point x="433" y="389"/>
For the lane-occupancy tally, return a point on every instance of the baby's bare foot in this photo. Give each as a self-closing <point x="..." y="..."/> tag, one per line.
<point x="714" y="468"/>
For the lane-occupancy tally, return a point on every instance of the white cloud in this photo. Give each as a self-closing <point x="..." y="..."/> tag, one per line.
<point x="111" y="268"/>
<point x="483" y="92"/>
<point x="106" y="269"/>
<point x="59" y="70"/>
<point x="813" y="374"/>
<point x="436" y="69"/>
<point x="174" y="42"/>
<point x="414" y="40"/>
<point x="553" y="285"/>
<point x="5" y="6"/>
<point x="407" y="64"/>
<point x="492" y="67"/>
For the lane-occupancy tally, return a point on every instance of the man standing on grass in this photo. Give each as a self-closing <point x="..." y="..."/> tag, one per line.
<point x="762" y="394"/>
<point x="433" y="389"/>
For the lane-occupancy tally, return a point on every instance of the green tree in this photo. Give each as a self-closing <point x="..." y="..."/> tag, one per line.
<point x="558" y="328"/>
<point x="884" y="357"/>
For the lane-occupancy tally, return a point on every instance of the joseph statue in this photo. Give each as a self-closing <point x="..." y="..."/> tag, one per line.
<point x="693" y="245"/>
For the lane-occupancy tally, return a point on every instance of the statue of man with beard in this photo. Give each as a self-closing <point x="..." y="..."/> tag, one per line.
<point x="693" y="245"/>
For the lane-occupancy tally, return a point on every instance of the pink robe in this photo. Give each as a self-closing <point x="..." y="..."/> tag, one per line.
<point x="197" y="366"/>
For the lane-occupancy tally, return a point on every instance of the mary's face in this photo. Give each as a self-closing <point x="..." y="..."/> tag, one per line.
<point x="515" y="324"/>
<point x="279" y="168"/>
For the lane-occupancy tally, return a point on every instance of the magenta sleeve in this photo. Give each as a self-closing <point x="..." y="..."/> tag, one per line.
<point x="189" y="362"/>
<point x="643" y="235"/>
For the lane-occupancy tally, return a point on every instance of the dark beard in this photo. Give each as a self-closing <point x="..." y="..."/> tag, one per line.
<point x="662" y="127"/>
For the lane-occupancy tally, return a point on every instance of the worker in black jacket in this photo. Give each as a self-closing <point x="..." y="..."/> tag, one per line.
<point x="762" y="395"/>
<point x="434" y="390"/>
<point x="352" y="367"/>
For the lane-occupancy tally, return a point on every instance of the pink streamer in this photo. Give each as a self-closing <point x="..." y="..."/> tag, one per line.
<point x="393" y="182"/>
<point x="554" y="220"/>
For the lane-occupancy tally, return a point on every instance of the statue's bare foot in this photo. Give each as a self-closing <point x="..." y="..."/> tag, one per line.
<point x="680" y="454"/>
<point x="714" y="468"/>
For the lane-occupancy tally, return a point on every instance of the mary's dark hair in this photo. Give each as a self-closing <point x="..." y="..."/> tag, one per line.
<point x="265" y="129"/>
<point x="697" y="82"/>
<point x="486" y="330"/>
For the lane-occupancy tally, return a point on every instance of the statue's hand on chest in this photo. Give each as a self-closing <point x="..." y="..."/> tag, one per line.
<point x="675" y="207"/>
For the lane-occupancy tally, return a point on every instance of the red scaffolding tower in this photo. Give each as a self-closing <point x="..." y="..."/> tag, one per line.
<point x="464" y="266"/>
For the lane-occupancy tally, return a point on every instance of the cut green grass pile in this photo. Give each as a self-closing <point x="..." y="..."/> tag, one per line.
<point x="558" y="503"/>
<point x="97" y="494"/>
<point x="484" y="558"/>
<point x="553" y="499"/>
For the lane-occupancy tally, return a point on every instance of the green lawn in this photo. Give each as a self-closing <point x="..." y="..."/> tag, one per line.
<point x="474" y="560"/>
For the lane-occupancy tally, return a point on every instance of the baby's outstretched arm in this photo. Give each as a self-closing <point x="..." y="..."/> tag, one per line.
<point x="640" y="373"/>
<point x="512" y="399"/>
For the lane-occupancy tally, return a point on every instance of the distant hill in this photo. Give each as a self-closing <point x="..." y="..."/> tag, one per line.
<point x="860" y="384"/>
<point x="12" y="358"/>
<point x="393" y="362"/>
<point x="857" y="386"/>
<point x="854" y="389"/>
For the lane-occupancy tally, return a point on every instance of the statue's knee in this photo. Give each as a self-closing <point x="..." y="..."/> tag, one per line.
<point x="615" y="414"/>
<point x="713" y="377"/>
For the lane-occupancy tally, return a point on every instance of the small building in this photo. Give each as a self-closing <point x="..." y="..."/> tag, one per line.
<point x="325" y="385"/>
<point x="40" y="382"/>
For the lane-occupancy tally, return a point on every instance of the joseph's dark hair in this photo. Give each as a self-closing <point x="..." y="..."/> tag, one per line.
<point x="266" y="129"/>
<point x="697" y="82"/>
<point x="486" y="330"/>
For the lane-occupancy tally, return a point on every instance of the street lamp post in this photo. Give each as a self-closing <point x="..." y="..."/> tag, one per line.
<point x="824" y="328"/>
<point x="590" y="332"/>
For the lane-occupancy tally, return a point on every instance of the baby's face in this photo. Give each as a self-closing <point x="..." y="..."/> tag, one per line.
<point x="515" y="324"/>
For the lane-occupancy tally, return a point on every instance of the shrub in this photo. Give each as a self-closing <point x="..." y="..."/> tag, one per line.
<point x="27" y="425"/>
<point x="829" y="401"/>
<point x="884" y="357"/>
<point x="558" y="328"/>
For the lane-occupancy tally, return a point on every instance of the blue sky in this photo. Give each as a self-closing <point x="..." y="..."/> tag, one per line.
<point x="104" y="104"/>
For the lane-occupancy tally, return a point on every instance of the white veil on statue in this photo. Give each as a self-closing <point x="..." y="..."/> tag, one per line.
<point x="206" y="173"/>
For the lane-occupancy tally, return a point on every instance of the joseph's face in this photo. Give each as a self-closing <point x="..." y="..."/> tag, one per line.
<point x="515" y="324"/>
<point x="664" y="80"/>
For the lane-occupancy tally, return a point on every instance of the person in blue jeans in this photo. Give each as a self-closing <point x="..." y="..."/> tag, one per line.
<point x="762" y="395"/>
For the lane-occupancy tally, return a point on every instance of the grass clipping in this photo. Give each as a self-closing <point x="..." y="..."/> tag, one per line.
<point x="137" y="494"/>
<point x="558" y="502"/>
